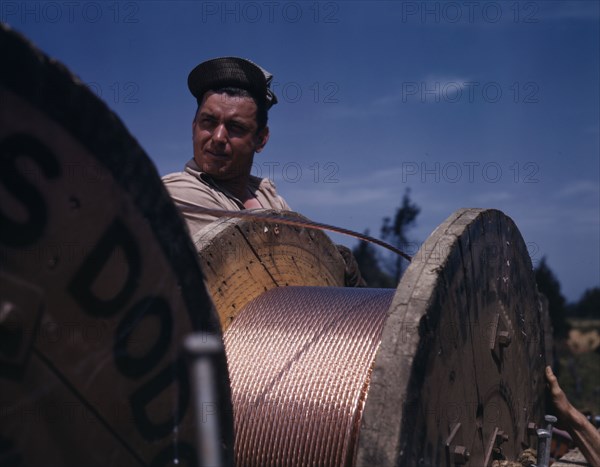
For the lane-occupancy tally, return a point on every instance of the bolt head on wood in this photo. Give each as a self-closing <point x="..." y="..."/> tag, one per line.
<point x="501" y="437"/>
<point x="531" y="428"/>
<point x="461" y="455"/>
<point x="504" y="338"/>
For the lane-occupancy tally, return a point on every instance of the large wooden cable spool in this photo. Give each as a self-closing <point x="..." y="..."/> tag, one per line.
<point x="99" y="284"/>
<point x="460" y="366"/>
<point x="445" y="370"/>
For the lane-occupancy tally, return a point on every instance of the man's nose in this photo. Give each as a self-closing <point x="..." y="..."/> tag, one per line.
<point x="220" y="134"/>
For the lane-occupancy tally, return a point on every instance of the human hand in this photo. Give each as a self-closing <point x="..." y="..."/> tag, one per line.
<point x="565" y="411"/>
<point x="584" y="434"/>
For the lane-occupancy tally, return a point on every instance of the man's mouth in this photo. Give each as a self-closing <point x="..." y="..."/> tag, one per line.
<point x="216" y="154"/>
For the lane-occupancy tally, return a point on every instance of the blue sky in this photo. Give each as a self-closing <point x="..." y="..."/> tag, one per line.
<point x="470" y="104"/>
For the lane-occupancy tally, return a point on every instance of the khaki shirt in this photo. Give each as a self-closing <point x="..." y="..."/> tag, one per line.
<point x="192" y="188"/>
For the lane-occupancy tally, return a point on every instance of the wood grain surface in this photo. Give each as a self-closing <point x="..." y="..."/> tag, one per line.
<point x="462" y="354"/>
<point x="241" y="259"/>
<point x="100" y="284"/>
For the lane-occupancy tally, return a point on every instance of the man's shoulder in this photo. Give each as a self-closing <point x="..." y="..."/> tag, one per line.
<point x="263" y="183"/>
<point x="266" y="186"/>
<point x="186" y="185"/>
<point x="190" y="174"/>
<point x="175" y="178"/>
<point x="189" y="177"/>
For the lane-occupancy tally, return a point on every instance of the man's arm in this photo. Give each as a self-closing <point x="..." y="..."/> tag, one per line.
<point x="352" y="275"/>
<point x="584" y="435"/>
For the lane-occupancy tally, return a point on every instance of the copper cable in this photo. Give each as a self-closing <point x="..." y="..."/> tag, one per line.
<point x="299" y="222"/>
<point x="299" y="361"/>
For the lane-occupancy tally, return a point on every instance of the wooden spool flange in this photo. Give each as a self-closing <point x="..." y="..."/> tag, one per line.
<point x="460" y="366"/>
<point x="242" y="259"/>
<point x="99" y="284"/>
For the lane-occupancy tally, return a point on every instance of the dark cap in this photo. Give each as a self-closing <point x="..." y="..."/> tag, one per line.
<point x="232" y="72"/>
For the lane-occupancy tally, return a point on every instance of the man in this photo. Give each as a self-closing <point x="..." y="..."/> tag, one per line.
<point x="229" y="127"/>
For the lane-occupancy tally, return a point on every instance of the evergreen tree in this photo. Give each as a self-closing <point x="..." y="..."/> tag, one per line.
<point x="368" y="263"/>
<point x="548" y="285"/>
<point x="588" y="305"/>
<point x="396" y="232"/>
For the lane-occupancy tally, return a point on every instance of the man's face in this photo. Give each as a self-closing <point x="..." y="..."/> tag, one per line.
<point x="225" y="136"/>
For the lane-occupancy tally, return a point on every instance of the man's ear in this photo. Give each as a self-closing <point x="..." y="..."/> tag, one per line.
<point x="261" y="139"/>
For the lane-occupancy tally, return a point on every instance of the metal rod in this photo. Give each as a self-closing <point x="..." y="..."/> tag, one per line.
<point x="202" y="348"/>
<point x="544" y="437"/>
<point x="550" y="420"/>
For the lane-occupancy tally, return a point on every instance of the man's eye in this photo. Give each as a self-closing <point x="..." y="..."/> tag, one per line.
<point x="237" y="128"/>
<point x="208" y="123"/>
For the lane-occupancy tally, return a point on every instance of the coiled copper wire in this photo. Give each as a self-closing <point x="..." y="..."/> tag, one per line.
<point x="299" y="361"/>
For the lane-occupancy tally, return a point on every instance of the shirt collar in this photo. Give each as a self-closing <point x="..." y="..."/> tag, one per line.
<point x="254" y="183"/>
